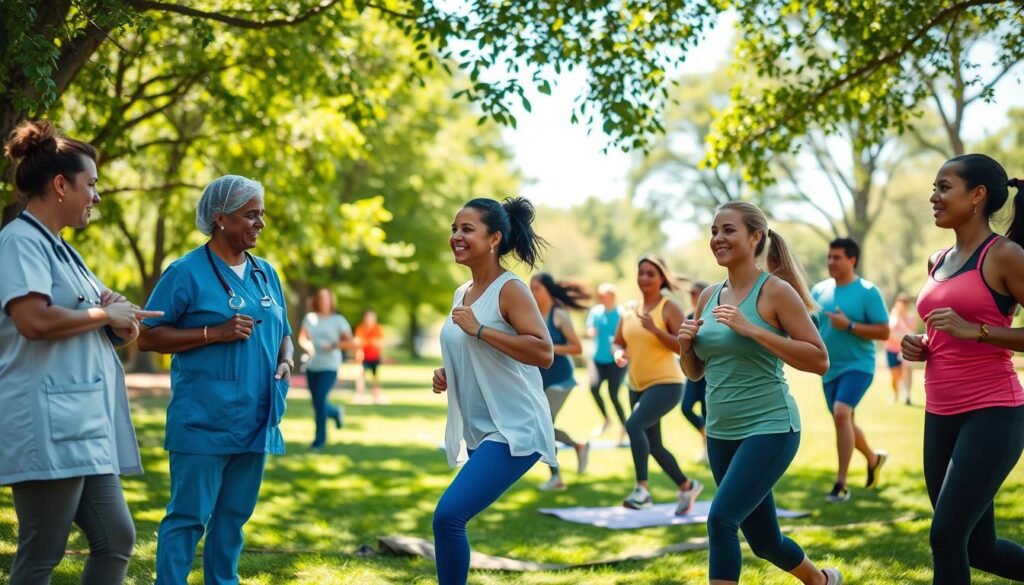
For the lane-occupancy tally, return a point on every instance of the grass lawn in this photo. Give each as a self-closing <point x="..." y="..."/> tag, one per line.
<point x="383" y="473"/>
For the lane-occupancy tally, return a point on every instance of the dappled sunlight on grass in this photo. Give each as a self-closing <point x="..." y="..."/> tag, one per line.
<point x="383" y="473"/>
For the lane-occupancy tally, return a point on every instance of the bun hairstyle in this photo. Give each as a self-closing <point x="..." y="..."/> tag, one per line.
<point x="565" y="294"/>
<point x="979" y="169"/>
<point x="779" y="259"/>
<point x="513" y="218"/>
<point x="40" y="152"/>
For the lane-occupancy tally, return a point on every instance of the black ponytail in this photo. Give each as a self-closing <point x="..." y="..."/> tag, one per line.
<point x="565" y="294"/>
<point x="1016" y="230"/>
<point x="979" y="169"/>
<point x="514" y="220"/>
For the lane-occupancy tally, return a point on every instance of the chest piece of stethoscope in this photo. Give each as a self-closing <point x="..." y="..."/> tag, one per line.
<point x="266" y="301"/>
<point x="235" y="302"/>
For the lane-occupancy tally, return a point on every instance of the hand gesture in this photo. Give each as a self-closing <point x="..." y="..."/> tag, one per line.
<point x="732" y="318"/>
<point x="108" y="297"/>
<point x="687" y="333"/>
<point x="621" y="358"/>
<point x="647" y="321"/>
<point x="915" y="347"/>
<point x="465" y="319"/>
<point x="948" y="320"/>
<point x="284" y="371"/>
<point x="236" y="328"/>
<point x="839" y="321"/>
<point x="440" y="382"/>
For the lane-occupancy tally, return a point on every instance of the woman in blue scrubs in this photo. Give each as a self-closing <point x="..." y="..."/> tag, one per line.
<point x="226" y="325"/>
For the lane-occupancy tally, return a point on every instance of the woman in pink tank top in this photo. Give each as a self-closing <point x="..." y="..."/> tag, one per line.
<point x="974" y="421"/>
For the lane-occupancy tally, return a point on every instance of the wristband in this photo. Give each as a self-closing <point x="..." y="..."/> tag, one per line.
<point x="479" y="331"/>
<point x="206" y="339"/>
<point x="849" y="328"/>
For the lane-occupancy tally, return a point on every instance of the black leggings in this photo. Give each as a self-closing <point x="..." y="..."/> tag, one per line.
<point x="966" y="458"/>
<point x="613" y="374"/>
<point x="644" y="428"/>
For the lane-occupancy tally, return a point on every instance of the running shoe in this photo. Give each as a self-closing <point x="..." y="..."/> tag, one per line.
<point x="639" y="499"/>
<point x="874" y="473"/>
<point x="583" y="457"/>
<point x="833" y="576"/>
<point x="838" y="494"/>
<point x="555" y="484"/>
<point x="688" y="497"/>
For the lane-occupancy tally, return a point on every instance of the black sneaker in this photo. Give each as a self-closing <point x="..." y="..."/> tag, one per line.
<point x="839" y="494"/>
<point x="875" y="473"/>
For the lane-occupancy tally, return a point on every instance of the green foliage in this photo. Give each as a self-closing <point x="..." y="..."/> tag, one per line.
<point x="830" y="62"/>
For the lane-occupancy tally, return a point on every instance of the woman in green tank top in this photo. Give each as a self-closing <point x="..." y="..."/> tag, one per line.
<point x="743" y="331"/>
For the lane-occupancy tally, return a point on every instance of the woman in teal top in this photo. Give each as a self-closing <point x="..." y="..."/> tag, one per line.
<point x="746" y="328"/>
<point x="225" y="322"/>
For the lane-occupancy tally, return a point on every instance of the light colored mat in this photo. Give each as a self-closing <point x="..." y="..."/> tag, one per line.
<point x="408" y="545"/>
<point x="618" y="517"/>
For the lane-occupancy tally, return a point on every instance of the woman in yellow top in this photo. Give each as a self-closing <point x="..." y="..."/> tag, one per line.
<point x="645" y="339"/>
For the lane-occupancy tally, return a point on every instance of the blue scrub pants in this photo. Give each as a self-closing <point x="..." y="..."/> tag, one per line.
<point x="745" y="471"/>
<point x="215" y="494"/>
<point x="490" y="471"/>
<point x="320" y="385"/>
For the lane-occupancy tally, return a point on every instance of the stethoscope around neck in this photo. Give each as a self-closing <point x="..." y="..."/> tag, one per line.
<point x="235" y="301"/>
<point x="62" y="250"/>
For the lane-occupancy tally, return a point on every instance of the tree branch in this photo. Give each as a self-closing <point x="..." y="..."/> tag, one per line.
<point x="324" y="5"/>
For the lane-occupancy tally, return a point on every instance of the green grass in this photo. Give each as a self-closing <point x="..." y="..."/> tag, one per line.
<point x="383" y="473"/>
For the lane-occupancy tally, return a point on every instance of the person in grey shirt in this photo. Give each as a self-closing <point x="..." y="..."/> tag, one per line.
<point x="65" y="424"/>
<point x="323" y="335"/>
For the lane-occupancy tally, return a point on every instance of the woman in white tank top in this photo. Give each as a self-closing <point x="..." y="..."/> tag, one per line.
<point x="492" y="345"/>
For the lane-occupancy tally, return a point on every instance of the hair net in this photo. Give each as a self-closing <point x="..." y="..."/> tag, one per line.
<point x="224" y="195"/>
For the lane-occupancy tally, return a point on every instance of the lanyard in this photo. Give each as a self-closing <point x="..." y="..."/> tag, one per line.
<point x="236" y="302"/>
<point x="63" y="251"/>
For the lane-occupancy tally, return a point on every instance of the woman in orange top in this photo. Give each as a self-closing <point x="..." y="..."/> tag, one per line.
<point x="370" y="337"/>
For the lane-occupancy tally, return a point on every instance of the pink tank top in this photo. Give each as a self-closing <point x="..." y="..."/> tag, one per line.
<point x="962" y="374"/>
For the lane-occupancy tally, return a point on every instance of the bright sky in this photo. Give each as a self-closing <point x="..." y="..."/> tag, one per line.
<point x="564" y="165"/>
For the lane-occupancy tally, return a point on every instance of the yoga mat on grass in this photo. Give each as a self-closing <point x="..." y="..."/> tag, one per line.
<point x="409" y="545"/>
<point x="619" y="518"/>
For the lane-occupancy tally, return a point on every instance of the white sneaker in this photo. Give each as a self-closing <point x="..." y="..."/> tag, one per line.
<point x="555" y="484"/>
<point x="832" y="576"/>
<point x="638" y="499"/>
<point x="688" y="497"/>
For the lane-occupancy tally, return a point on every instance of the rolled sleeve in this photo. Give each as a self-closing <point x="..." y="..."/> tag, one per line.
<point x="171" y="295"/>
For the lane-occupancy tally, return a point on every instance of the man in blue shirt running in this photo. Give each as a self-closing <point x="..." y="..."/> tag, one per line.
<point x="853" y="316"/>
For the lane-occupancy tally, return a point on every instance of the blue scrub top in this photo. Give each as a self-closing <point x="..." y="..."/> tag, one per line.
<point x="224" y="398"/>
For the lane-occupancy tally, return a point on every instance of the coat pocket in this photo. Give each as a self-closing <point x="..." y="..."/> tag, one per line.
<point x="77" y="411"/>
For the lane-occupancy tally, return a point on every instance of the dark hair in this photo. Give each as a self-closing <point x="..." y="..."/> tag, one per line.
<point x="513" y="218"/>
<point x="315" y="301"/>
<point x="565" y="294"/>
<point x="979" y="169"/>
<point x="40" y="152"/>
<point x="849" y="247"/>
<point x="779" y="260"/>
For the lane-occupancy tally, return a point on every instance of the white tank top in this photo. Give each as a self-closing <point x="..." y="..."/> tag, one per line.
<point x="491" y="396"/>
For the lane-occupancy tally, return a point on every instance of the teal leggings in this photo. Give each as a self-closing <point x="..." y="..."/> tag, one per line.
<point x="745" y="471"/>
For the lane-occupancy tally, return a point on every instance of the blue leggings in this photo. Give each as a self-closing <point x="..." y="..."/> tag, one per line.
<point x="320" y="385"/>
<point x="490" y="471"/>
<point x="745" y="471"/>
<point x="692" y="395"/>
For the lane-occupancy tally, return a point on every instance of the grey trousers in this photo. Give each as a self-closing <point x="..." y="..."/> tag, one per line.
<point x="46" y="510"/>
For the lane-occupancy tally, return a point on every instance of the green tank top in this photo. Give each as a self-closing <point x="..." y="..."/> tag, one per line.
<point x="747" y="393"/>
